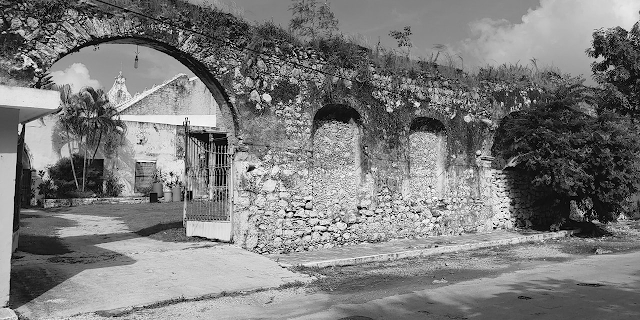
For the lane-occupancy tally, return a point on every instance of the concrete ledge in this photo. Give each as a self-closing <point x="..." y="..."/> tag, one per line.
<point x="435" y="250"/>
<point x="7" y="314"/>
<point x="56" y="203"/>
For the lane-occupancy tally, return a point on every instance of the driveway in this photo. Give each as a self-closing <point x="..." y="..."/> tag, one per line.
<point x="97" y="263"/>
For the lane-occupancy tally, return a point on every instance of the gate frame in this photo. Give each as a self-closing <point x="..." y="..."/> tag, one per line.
<point x="230" y="184"/>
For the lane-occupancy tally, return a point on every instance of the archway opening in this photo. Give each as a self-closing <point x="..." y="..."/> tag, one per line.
<point x="164" y="92"/>
<point x="427" y="156"/>
<point x="336" y="171"/>
<point x="153" y="147"/>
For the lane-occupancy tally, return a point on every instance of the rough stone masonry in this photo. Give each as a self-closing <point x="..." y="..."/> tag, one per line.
<point x="322" y="158"/>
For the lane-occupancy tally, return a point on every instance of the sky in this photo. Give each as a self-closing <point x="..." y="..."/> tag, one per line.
<point x="475" y="33"/>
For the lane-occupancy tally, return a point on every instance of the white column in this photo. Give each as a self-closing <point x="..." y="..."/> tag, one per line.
<point x="8" y="157"/>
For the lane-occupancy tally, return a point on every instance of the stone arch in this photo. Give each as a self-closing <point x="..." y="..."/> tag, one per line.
<point x="427" y="156"/>
<point x="40" y="43"/>
<point x="337" y="159"/>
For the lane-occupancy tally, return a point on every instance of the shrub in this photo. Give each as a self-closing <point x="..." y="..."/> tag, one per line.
<point x="62" y="177"/>
<point x="112" y="186"/>
<point x="594" y="161"/>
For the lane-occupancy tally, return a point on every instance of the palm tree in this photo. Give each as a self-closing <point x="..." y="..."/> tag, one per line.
<point x="95" y="119"/>
<point x="90" y="119"/>
<point x="64" y="127"/>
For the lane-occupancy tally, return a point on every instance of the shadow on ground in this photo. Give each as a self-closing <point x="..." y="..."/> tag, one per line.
<point x="551" y="299"/>
<point x="44" y="260"/>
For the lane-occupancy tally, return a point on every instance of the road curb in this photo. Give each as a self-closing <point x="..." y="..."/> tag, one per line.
<point x="435" y="250"/>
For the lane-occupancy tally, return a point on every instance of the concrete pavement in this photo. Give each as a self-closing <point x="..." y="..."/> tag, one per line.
<point x="112" y="268"/>
<point x="405" y="248"/>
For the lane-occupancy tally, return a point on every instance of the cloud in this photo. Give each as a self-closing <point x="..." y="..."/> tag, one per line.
<point x="556" y="33"/>
<point x="77" y="75"/>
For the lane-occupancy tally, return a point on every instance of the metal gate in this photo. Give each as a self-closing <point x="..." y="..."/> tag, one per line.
<point x="208" y="192"/>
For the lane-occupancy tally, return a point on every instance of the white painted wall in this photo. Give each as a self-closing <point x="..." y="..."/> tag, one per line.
<point x="8" y="157"/>
<point x="16" y="105"/>
<point x="203" y="120"/>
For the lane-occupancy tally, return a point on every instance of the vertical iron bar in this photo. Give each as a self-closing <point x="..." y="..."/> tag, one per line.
<point x="186" y="170"/>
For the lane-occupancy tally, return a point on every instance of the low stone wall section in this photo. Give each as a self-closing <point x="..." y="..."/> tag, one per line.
<point x="56" y="203"/>
<point x="516" y="203"/>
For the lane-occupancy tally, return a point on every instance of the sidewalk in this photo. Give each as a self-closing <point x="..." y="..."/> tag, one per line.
<point x="404" y="248"/>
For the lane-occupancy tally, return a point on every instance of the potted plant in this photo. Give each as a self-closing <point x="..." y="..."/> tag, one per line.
<point x="157" y="185"/>
<point x="175" y="185"/>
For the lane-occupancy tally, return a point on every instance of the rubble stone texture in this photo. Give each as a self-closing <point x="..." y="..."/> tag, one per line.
<point x="427" y="173"/>
<point x="516" y="203"/>
<point x="336" y="171"/>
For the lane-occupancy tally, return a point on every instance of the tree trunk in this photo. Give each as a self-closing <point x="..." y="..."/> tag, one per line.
<point x="73" y="168"/>
<point x="84" y="168"/>
<point x="96" y="150"/>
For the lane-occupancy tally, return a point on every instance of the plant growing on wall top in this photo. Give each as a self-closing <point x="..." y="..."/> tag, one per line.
<point x="403" y="38"/>
<point x="312" y="20"/>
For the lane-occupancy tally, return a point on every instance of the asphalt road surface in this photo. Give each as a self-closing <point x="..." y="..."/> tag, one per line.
<point x="596" y="287"/>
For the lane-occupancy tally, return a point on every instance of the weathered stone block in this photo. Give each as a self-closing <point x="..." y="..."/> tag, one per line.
<point x="269" y="186"/>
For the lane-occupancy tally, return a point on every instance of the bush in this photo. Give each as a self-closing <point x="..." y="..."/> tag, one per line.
<point x="112" y="186"/>
<point x="594" y="161"/>
<point x="62" y="177"/>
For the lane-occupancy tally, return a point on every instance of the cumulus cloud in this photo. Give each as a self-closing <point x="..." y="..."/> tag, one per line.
<point x="77" y="75"/>
<point x="556" y="33"/>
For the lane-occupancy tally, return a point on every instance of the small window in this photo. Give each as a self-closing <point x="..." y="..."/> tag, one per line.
<point x="144" y="176"/>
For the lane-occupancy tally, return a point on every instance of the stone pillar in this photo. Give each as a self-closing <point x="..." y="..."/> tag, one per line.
<point x="8" y="146"/>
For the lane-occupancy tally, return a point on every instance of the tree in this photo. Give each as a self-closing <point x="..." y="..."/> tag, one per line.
<point x="403" y="38"/>
<point x="312" y="20"/>
<point x="594" y="161"/>
<point x="45" y="82"/>
<point x="93" y="122"/>
<point x="62" y="130"/>
<point x="618" y="71"/>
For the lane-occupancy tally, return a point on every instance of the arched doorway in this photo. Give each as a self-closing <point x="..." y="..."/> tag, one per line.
<point x="427" y="155"/>
<point x="336" y="171"/>
<point x="86" y="241"/>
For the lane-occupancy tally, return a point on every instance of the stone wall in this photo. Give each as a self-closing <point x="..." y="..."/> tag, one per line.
<point x="278" y="209"/>
<point x="56" y="203"/>
<point x="516" y="204"/>
<point x="427" y="155"/>
<point x="336" y="171"/>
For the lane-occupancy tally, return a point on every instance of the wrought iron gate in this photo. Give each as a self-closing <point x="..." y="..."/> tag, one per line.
<point x="208" y="192"/>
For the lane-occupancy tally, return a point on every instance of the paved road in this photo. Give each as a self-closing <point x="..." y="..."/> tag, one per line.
<point x="597" y="287"/>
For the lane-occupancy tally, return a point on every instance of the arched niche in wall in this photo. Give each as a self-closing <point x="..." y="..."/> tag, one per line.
<point x="336" y="170"/>
<point x="427" y="156"/>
